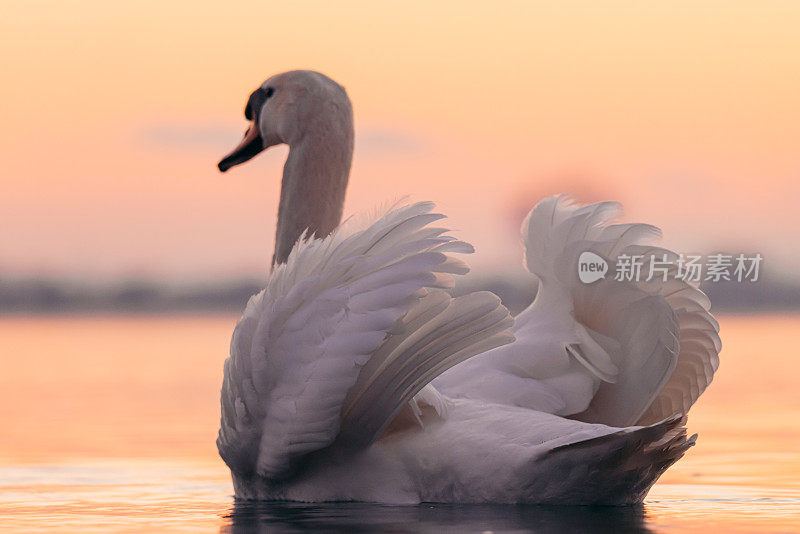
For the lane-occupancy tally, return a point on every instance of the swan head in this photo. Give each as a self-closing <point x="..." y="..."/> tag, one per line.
<point x="289" y="108"/>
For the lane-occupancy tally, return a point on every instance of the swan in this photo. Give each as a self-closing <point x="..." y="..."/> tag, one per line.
<point x="356" y="376"/>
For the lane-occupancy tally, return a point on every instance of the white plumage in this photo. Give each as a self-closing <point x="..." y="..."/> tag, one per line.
<point x="616" y="352"/>
<point x="355" y="375"/>
<point x="344" y="335"/>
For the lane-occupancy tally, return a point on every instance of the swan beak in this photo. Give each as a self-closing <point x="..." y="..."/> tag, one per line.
<point x="250" y="145"/>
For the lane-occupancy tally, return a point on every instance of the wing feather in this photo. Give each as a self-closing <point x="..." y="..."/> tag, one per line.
<point x="613" y="352"/>
<point x="348" y="331"/>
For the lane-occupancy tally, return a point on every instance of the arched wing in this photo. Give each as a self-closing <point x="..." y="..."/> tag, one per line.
<point x="344" y="335"/>
<point x="614" y="351"/>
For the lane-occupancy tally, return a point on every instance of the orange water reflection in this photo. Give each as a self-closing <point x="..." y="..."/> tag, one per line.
<point x="111" y="387"/>
<point x="126" y="391"/>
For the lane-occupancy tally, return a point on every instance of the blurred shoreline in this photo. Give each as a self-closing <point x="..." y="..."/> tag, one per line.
<point x="54" y="297"/>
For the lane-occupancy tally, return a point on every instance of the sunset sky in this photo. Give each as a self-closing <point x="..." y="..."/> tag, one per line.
<point x="115" y="114"/>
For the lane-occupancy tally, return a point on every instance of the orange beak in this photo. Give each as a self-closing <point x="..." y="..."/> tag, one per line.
<point x="250" y="145"/>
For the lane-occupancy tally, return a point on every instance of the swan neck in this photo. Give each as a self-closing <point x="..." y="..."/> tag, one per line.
<point x="313" y="188"/>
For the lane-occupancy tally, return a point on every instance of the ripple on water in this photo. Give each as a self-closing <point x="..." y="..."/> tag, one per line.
<point x="143" y="496"/>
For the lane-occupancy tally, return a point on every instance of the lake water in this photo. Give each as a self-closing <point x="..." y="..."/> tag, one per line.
<point x="107" y="424"/>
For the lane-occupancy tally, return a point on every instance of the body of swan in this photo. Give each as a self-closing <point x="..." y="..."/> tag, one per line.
<point x="355" y="375"/>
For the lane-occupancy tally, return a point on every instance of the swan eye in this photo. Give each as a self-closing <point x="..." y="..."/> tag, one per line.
<point x="269" y="91"/>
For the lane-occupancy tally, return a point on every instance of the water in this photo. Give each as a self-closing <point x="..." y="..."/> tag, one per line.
<point x="108" y="425"/>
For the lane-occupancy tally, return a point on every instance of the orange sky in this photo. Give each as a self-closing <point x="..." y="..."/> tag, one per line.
<point x="115" y="113"/>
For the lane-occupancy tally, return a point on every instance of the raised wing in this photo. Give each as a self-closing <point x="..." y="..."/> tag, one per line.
<point x="344" y="335"/>
<point x="617" y="352"/>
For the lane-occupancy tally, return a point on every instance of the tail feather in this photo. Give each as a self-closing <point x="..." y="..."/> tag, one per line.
<point x="614" y="469"/>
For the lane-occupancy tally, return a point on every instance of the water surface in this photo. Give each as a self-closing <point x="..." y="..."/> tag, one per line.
<point x="108" y="425"/>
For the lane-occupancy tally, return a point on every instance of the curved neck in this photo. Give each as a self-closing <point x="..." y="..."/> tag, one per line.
<point x="313" y="188"/>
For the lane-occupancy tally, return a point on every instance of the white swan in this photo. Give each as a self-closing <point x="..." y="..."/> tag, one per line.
<point x="329" y="391"/>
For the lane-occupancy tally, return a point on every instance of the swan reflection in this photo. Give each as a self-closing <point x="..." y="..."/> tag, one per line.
<point x="250" y="516"/>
